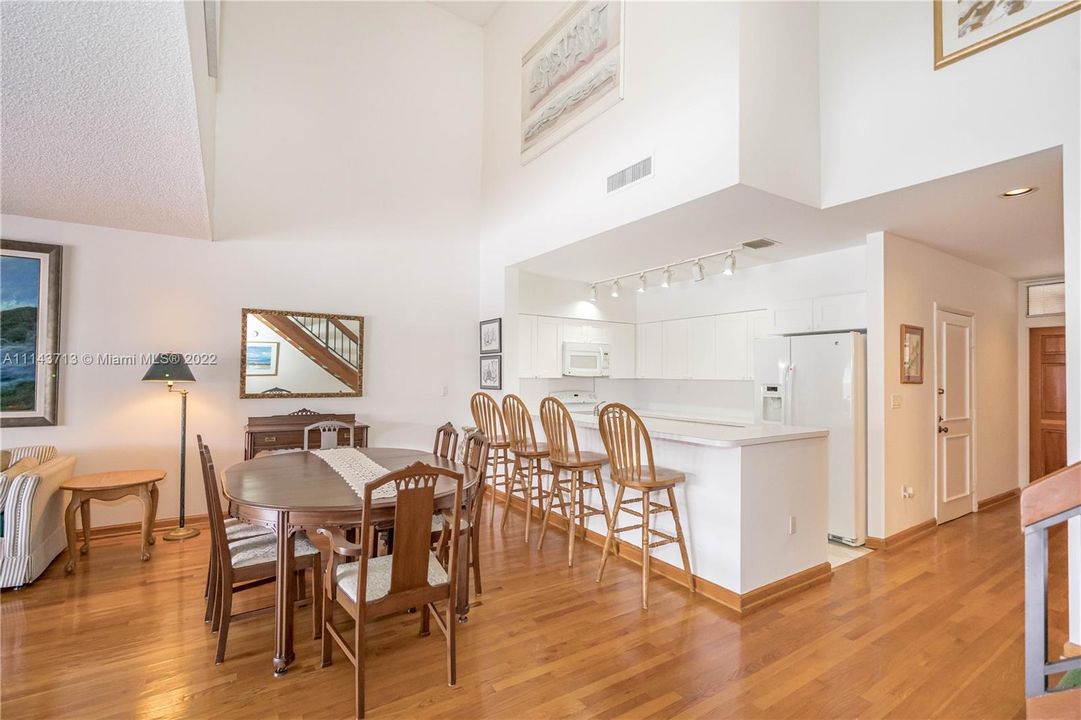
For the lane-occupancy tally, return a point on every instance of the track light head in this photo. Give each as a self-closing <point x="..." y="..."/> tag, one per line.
<point x="593" y="293"/>
<point x="642" y="283"/>
<point x="666" y="278"/>
<point x="615" y="289"/>
<point x="729" y="264"/>
<point x="698" y="273"/>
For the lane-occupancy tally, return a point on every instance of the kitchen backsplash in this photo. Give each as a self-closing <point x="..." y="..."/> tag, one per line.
<point x="723" y="399"/>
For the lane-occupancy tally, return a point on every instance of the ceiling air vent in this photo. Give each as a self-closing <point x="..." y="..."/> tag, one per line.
<point x="759" y="244"/>
<point x="629" y="175"/>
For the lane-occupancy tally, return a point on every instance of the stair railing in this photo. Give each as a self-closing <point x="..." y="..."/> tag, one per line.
<point x="1050" y="501"/>
<point x="333" y="335"/>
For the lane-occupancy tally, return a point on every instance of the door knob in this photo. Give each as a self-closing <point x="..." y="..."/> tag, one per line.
<point x="943" y="429"/>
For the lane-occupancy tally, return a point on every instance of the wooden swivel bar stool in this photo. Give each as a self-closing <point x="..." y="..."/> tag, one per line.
<point x="564" y="454"/>
<point x="489" y="420"/>
<point x="625" y="439"/>
<point x="528" y="457"/>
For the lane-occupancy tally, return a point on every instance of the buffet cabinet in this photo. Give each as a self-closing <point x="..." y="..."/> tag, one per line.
<point x="285" y="432"/>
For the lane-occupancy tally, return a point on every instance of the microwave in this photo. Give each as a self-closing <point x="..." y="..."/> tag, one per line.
<point x="585" y="360"/>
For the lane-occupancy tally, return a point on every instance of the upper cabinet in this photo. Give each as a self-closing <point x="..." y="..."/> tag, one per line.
<point x="541" y="338"/>
<point x="622" y="350"/>
<point x="648" y="339"/>
<point x="820" y="314"/>
<point x="732" y="333"/>
<point x="675" y="346"/>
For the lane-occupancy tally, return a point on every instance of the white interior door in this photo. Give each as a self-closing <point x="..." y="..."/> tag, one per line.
<point x="954" y="432"/>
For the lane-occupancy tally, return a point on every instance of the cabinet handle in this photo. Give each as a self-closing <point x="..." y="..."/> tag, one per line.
<point x="270" y="438"/>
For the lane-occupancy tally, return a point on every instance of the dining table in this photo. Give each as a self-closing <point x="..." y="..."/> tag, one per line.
<point x="293" y="491"/>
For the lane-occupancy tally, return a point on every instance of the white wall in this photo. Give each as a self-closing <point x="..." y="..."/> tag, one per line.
<point x="680" y="106"/>
<point x="915" y="278"/>
<point x="327" y="201"/>
<point x="890" y="120"/>
<point x="559" y="297"/>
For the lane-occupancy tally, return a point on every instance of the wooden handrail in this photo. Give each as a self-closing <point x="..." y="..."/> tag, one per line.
<point x="1052" y="494"/>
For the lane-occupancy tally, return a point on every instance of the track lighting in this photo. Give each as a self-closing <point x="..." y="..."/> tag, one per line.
<point x="666" y="278"/>
<point x="698" y="273"/>
<point x="615" y="289"/>
<point x="642" y="283"/>
<point x="593" y="293"/>
<point x="729" y="264"/>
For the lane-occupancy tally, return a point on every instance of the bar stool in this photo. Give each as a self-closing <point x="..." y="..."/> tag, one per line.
<point x="489" y="420"/>
<point x="625" y="437"/>
<point x="564" y="454"/>
<point x="528" y="457"/>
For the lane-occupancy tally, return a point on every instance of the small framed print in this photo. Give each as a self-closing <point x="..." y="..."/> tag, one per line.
<point x="911" y="354"/>
<point x="491" y="336"/>
<point x="491" y="372"/>
<point x="262" y="358"/>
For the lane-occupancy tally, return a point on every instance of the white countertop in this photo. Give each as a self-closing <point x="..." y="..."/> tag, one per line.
<point x="713" y="433"/>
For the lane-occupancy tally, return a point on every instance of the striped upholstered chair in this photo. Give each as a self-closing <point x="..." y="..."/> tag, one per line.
<point x="31" y="511"/>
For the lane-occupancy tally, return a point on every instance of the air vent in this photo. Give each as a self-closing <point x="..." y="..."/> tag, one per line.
<point x="629" y="175"/>
<point x="759" y="244"/>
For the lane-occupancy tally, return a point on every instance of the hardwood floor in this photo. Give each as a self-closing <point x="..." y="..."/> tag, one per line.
<point x="932" y="629"/>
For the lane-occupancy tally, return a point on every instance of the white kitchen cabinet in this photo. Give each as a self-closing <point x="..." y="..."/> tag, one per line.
<point x="840" y="312"/>
<point x="732" y="341"/>
<point x="527" y="345"/>
<point x="548" y="358"/>
<point x="702" y="348"/>
<point x="622" y="350"/>
<point x="758" y="324"/>
<point x="795" y="316"/>
<point x="675" y="338"/>
<point x="649" y="339"/>
<point x="575" y="331"/>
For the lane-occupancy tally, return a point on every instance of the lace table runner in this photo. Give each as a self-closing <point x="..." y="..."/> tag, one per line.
<point x="356" y="469"/>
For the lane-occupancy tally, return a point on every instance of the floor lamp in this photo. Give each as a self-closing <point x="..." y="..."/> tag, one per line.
<point x="170" y="368"/>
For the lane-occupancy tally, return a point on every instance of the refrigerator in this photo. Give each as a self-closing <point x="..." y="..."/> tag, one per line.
<point x="821" y="381"/>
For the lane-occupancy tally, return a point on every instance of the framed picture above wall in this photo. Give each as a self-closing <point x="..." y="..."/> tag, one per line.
<point x="911" y="354"/>
<point x="491" y="336"/>
<point x="30" y="277"/>
<point x="261" y="358"/>
<point x="491" y="372"/>
<point x="965" y="27"/>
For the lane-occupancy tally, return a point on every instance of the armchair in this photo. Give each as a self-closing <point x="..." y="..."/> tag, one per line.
<point x="32" y="514"/>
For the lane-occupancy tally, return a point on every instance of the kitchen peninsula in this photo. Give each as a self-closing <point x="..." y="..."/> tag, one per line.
<point x="753" y="507"/>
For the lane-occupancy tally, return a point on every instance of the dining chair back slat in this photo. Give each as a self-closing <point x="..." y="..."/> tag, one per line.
<point x="328" y="434"/>
<point x="446" y="441"/>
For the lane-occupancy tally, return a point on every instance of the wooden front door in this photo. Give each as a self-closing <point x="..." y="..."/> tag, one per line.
<point x="1047" y="401"/>
<point x="953" y="461"/>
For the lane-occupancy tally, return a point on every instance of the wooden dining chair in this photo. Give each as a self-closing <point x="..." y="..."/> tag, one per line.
<point x="249" y="562"/>
<point x="475" y="458"/>
<point x="446" y="441"/>
<point x="565" y="454"/>
<point x="489" y="419"/>
<point x="528" y="456"/>
<point x="630" y="453"/>
<point x="328" y="434"/>
<point x="411" y="576"/>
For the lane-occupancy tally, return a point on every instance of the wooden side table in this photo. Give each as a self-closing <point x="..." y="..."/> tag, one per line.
<point x="111" y="486"/>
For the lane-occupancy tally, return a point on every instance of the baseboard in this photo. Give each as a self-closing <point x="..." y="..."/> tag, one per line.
<point x="905" y="536"/>
<point x="997" y="499"/>
<point x="742" y="604"/>
<point x="108" y="531"/>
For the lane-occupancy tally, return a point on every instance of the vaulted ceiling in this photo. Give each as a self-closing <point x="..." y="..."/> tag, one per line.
<point x="100" y="124"/>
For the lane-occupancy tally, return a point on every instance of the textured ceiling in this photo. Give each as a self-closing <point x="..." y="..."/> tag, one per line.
<point x="99" y="120"/>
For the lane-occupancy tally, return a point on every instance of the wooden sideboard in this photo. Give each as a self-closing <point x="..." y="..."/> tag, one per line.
<point x="282" y="432"/>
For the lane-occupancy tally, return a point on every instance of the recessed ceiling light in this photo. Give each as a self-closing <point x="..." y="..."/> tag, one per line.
<point x="1017" y="192"/>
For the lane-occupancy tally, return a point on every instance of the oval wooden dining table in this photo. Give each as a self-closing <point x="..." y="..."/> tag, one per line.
<point x="298" y="491"/>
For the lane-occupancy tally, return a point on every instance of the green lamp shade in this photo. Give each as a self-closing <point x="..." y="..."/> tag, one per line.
<point x="169" y="367"/>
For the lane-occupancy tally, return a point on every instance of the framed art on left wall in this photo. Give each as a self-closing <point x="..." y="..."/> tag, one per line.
<point x="30" y="277"/>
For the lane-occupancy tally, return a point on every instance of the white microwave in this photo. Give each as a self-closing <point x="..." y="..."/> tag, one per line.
<point x="585" y="360"/>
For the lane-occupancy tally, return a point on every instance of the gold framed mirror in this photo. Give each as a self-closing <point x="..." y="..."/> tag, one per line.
<point x="284" y="353"/>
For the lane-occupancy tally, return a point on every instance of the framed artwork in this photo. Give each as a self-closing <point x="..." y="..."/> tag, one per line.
<point x="572" y="74"/>
<point x="911" y="354"/>
<point x="491" y="372"/>
<point x="491" y="336"/>
<point x="965" y="27"/>
<point x="261" y="358"/>
<point x="30" y="277"/>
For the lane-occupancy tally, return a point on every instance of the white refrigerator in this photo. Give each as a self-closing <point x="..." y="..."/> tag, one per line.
<point x="821" y="381"/>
